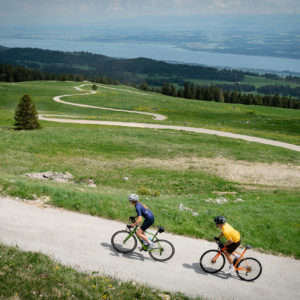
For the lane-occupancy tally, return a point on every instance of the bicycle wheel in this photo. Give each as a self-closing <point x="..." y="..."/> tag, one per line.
<point x="122" y="241"/>
<point x="162" y="250"/>
<point x="212" y="261"/>
<point x="249" y="269"/>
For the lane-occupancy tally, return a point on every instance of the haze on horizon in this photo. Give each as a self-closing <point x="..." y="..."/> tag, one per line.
<point x="42" y="12"/>
<point x="265" y="28"/>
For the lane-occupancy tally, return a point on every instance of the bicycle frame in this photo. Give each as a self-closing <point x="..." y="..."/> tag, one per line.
<point x="144" y="247"/>
<point x="239" y="259"/>
<point x="223" y="249"/>
<point x="236" y="263"/>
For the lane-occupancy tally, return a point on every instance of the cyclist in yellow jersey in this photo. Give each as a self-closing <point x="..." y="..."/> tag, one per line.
<point x="233" y="239"/>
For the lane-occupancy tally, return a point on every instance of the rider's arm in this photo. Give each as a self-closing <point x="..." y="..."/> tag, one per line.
<point x="138" y="220"/>
<point x="221" y="235"/>
<point x="228" y="243"/>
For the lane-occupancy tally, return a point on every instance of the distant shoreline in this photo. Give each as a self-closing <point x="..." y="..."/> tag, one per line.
<point x="169" y="53"/>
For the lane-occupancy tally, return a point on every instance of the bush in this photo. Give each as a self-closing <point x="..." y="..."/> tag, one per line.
<point x="144" y="191"/>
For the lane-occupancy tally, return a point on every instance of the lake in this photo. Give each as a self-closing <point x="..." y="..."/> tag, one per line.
<point x="160" y="52"/>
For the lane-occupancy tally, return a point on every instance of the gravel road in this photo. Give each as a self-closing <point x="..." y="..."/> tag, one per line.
<point x="83" y="242"/>
<point x="153" y="126"/>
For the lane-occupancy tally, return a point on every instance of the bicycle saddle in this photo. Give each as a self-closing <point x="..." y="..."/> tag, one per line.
<point x="161" y="229"/>
<point x="248" y="247"/>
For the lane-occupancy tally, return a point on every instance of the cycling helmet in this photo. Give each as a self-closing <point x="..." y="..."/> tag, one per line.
<point x="219" y="220"/>
<point x="133" y="198"/>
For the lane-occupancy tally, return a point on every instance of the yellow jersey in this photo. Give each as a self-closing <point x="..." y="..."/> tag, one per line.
<point x="230" y="233"/>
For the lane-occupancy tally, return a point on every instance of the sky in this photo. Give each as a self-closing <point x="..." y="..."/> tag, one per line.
<point x="78" y="11"/>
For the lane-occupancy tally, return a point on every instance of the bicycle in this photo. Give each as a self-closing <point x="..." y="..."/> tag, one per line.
<point x="247" y="268"/>
<point x="125" y="241"/>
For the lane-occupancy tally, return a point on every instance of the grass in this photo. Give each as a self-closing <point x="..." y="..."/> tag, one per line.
<point x="268" y="218"/>
<point x="267" y="122"/>
<point x="256" y="81"/>
<point x="30" y="275"/>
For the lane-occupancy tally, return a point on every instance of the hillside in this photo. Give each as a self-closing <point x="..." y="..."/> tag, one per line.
<point x="3" y="48"/>
<point x="95" y="65"/>
<point x="166" y="167"/>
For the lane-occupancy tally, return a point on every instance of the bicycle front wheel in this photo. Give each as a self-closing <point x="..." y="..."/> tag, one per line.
<point x="162" y="250"/>
<point x="123" y="242"/>
<point x="212" y="261"/>
<point x="249" y="269"/>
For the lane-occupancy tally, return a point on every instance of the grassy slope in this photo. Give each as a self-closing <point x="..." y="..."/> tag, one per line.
<point x="267" y="219"/>
<point x="29" y="275"/>
<point x="257" y="81"/>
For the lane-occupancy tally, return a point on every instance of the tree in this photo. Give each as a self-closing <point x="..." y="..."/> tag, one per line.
<point x="26" y="116"/>
<point x="94" y="87"/>
<point x="143" y="86"/>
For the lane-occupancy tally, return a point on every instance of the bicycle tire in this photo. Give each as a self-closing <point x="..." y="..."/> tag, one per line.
<point x="208" y="265"/>
<point x="163" y="250"/>
<point x="251" y="265"/>
<point x="117" y="241"/>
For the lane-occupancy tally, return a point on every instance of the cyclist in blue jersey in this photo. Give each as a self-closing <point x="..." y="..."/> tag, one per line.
<point x="142" y="211"/>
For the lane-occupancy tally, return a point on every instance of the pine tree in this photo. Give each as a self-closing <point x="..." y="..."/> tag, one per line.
<point x="26" y="116"/>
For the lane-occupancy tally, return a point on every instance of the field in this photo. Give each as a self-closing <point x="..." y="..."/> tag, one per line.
<point x="30" y="275"/>
<point x="257" y="186"/>
<point x="256" y="81"/>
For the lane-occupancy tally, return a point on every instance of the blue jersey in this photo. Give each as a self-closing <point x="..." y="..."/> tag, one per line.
<point x="145" y="212"/>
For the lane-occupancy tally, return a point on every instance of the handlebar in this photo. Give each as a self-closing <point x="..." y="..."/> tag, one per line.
<point x="220" y="244"/>
<point x="132" y="219"/>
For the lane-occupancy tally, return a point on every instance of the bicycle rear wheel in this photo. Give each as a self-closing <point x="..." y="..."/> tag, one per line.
<point x="212" y="261"/>
<point x="162" y="250"/>
<point x="123" y="242"/>
<point x="249" y="269"/>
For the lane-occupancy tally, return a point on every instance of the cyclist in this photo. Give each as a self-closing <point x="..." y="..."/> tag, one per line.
<point x="233" y="239"/>
<point x="142" y="211"/>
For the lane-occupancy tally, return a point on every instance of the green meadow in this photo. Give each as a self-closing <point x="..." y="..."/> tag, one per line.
<point x="257" y="81"/>
<point x="30" y="275"/>
<point x="165" y="167"/>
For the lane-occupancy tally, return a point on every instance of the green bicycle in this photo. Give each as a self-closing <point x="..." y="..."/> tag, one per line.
<point x="125" y="241"/>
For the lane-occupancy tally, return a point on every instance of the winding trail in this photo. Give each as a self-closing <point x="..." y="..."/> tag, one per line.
<point x="154" y="126"/>
<point x="58" y="99"/>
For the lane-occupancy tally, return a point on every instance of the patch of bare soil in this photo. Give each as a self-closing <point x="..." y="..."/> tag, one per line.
<point x="274" y="174"/>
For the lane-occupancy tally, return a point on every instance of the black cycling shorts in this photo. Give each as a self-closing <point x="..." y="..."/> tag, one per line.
<point x="232" y="247"/>
<point x="147" y="223"/>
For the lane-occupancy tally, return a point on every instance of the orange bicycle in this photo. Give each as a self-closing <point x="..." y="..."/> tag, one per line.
<point x="247" y="268"/>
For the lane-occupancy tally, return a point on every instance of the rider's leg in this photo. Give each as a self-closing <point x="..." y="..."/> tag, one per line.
<point x="140" y="233"/>
<point x="229" y="257"/>
<point x="230" y="249"/>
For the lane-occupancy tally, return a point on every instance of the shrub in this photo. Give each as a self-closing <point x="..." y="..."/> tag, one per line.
<point x="144" y="191"/>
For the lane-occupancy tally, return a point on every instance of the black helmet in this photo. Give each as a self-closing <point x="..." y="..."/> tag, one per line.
<point x="219" y="220"/>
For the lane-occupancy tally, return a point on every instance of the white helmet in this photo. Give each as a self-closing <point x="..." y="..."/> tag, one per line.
<point x="133" y="198"/>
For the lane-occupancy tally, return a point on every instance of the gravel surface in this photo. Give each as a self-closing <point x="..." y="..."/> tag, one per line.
<point x="83" y="242"/>
<point x="156" y="126"/>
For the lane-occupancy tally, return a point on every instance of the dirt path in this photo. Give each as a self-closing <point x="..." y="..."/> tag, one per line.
<point x="83" y="242"/>
<point x="58" y="99"/>
<point x="155" y="126"/>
